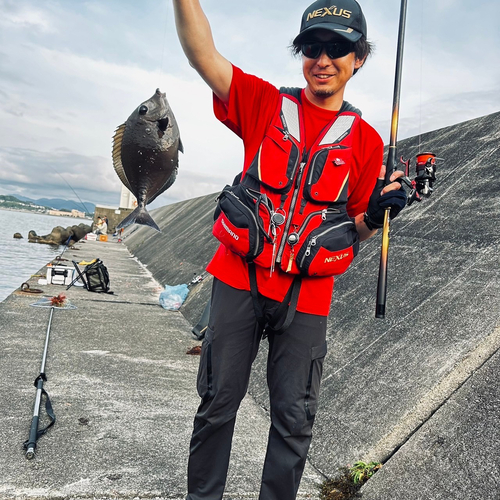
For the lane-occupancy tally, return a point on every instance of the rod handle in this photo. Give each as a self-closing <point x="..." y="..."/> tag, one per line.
<point x="31" y="443"/>
<point x="382" y="272"/>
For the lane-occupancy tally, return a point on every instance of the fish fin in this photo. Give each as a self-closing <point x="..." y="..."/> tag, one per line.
<point x="117" y="156"/>
<point x="139" y="216"/>
<point x="181" y="146"/>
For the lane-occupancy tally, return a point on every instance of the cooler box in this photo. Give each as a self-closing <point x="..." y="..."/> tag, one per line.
<point x="60" y="275"/>
<point x="103" y="237"/>
<point x="91" y="236"/>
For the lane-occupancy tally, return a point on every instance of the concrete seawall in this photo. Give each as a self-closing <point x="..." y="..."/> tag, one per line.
<point x="418" y="390"/>
<point x="181" y="251"/>
<point x="388" y="383"/>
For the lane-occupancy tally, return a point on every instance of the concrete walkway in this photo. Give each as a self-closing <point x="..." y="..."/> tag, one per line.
<point x="123" y="391"/>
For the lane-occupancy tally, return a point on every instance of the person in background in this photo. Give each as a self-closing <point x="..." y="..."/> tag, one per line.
<point x="274" y="126"/>
<point x="100" y="227"/>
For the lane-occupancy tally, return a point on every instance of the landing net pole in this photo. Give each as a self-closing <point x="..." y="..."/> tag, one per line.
<point x="391" y="166"/>
<point x="30" y="445"/>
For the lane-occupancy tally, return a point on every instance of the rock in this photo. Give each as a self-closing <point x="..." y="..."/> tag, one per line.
<point x="60" y="235"/>
<point x="33" y="237"/>
<point x="18" y="236"/>
<point x="79" y="231"/>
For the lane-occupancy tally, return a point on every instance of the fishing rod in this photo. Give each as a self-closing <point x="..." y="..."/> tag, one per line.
<point x="85" y="209"/>
<point x="391" y="165"/>
<point x="425" y="168"/>
<point x="59" y="257"/>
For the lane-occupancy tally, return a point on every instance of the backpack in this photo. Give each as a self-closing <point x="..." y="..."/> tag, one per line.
<point x="97" y="277"/>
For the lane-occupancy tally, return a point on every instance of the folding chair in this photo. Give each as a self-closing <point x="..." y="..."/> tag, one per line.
<point x="80" y="275"/>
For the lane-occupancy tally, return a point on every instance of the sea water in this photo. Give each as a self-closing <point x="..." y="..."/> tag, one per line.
<point x="19" y="259"/>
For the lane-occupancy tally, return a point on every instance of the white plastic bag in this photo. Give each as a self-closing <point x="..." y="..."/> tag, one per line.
<point x="173" y="297"/>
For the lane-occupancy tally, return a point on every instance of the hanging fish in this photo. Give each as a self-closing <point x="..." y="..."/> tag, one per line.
<point x="145" y="155"/>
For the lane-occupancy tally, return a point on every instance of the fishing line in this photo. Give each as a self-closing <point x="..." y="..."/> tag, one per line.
<point x="82" y="204"/>
<point x="161" y="70"/>
<point x="421" y="74"/>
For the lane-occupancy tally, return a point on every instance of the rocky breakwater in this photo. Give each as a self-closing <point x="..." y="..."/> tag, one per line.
<point x="61" y="236"/>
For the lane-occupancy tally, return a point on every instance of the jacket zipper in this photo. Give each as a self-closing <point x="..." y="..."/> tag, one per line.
<point x="323" y="213"/>
<point x="312" y="241"/>
<point x="286" y="137"/>
<point x="311" y="170"/>
<point x="291" y="211"/>
<point x="295" y="193"/>
<point x="264" y="199"/>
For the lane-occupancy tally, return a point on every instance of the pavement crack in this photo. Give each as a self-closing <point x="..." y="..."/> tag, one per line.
<point x="443" y="392"/>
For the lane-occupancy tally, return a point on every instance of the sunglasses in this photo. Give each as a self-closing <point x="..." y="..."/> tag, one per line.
<point x="334" y="50"/>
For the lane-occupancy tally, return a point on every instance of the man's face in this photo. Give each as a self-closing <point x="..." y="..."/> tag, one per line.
<point x="326" y="78"/>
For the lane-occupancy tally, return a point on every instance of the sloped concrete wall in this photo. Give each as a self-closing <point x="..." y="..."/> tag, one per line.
<point x="181" y="250"/>
<point x="384" y="378"/>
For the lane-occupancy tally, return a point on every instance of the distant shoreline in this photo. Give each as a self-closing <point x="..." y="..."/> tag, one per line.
<point x="40" y="213"/>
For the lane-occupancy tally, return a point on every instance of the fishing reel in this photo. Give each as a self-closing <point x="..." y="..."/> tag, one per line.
<point x="422" y="184"/>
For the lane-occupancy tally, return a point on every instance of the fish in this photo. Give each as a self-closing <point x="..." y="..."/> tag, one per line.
<point x="146" y="155"/>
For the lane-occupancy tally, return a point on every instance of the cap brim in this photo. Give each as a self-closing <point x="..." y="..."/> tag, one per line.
<point x="339" y="29"/>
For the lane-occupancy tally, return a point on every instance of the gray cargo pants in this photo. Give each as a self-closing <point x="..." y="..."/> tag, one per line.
<point x="294" y="370"/>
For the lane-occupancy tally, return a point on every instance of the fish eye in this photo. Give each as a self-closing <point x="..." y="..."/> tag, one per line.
<point x="163" y="124"/>
<point x="143" y="110"/>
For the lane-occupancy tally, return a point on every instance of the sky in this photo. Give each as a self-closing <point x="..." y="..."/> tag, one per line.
<point x="71" y="71"/>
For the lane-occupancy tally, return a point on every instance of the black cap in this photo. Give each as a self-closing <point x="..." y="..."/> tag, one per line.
<point x="343" y="17"/>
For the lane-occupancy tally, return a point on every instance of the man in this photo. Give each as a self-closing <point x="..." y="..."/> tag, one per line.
<point x="308" y="157"/>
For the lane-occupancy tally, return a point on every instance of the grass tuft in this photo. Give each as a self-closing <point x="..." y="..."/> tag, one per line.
<point x="349" y="482"/>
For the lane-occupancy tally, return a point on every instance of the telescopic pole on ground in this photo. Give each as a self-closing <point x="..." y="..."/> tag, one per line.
<point x="33" y="436"/>
<point x="61" y="303"/>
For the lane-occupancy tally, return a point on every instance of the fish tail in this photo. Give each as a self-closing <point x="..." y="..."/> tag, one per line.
<point x="139" y="216"/>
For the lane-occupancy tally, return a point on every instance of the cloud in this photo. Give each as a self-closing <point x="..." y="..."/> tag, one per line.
<point x="24" y="17"/>
<point x="71" y="72"/>
<point x="94" y="98"/>
<point x="60" y="173"/>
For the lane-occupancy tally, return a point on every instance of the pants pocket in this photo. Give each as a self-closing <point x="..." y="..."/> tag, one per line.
<point x="204" y="380"/>
<point x="318" y="354"/>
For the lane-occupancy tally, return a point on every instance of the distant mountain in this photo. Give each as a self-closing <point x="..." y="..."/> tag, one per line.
<point x="59" y="203"/>
<point x="21" y="198"/>
<point x="13" y="203"/>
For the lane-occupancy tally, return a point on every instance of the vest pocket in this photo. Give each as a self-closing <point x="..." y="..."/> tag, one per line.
<point x="276" y="161"/>
<point x="296" y="238"/>
<point x="242" y="221"/>
<point x="329" y="249"/>
<point x="328" y="175"/>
